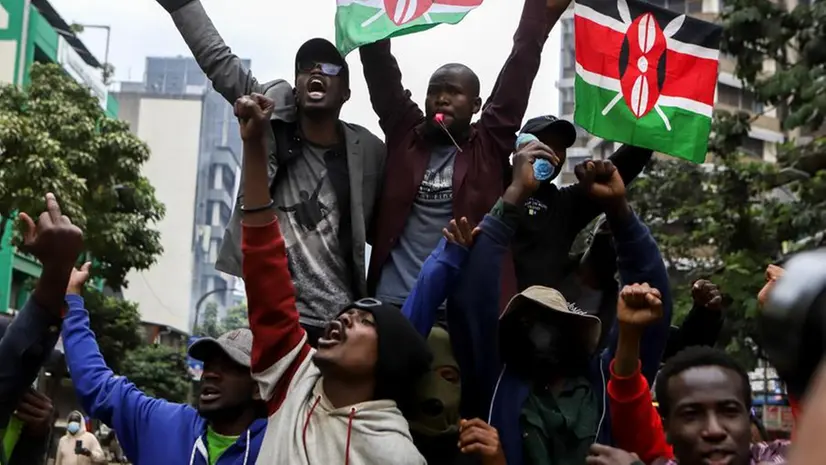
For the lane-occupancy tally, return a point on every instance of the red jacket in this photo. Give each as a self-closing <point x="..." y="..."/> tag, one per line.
<point x="478" y="175"/>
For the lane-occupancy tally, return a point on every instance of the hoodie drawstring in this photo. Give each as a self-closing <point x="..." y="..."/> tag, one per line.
<point x="349" y="430"/>
<point x="192" y="457"/>
<point x="247" y="452"/>
<point x="306" y="425"/>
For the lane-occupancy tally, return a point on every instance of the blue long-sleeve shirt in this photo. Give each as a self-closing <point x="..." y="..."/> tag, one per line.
<point x="151" y="431"/>
<point x="490" y="390"/>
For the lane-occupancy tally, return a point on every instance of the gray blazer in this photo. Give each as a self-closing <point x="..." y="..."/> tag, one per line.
<point x="365" y="152"/>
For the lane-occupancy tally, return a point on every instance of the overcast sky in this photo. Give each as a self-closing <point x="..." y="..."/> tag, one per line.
<point x="270" y="31"/>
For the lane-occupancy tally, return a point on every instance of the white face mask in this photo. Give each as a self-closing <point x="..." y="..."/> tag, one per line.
<point x="73" y="427"/>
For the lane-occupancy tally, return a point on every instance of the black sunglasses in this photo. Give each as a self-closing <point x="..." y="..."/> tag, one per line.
<point x="327" y="69"/>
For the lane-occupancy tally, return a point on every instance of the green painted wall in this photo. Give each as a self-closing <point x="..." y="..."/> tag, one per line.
<point x="43" y="39"/>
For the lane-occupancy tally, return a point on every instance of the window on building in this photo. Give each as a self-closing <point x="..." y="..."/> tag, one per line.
<point x="214" y="247"/>
<point x="738" y="98"/>
<point x="229" y="180"/>
<point x="681" y="6"/>
<point x="226" y="213"/>
<point x="753" y="147"/>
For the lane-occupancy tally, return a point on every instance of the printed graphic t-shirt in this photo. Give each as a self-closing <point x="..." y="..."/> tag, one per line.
<point x="432" y="210"/>
<point x="309" y="217"/>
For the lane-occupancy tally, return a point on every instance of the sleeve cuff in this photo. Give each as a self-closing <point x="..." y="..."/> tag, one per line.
<point x="260" y="235"/>
<point x="453" y="255"/>
<point x="629" y="387"/>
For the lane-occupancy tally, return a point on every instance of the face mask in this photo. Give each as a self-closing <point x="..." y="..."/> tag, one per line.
<point x="437" y="406"/>
<point x="73" y="427"/>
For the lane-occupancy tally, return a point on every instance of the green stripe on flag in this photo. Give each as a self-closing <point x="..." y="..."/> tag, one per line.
<point x="688" y="137"/>
<point x="354" y="27"/>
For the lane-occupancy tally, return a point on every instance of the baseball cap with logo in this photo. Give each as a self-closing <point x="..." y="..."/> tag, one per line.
<point x="236" y="344"/>
<point x="551" y="305"/>
<point x="539" y="124"/>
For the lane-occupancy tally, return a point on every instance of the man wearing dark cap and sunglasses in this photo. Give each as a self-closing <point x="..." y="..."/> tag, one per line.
<point x="324" y="174"/>
<point x="553" y="217"/>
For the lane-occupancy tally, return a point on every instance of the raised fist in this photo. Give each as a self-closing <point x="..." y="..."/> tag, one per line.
<point x="639" y="305"/>
<point x="54" y="240"/>
<point x="773" y="273"/>
<point x="601" y="180"/>
<point x="253" y="113"/>
<point x="706" y="294"/>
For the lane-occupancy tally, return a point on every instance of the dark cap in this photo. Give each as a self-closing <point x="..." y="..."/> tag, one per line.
<point x="540" y="123"/>
<point x="322" y="50"/>
<point x="403" y="353"/>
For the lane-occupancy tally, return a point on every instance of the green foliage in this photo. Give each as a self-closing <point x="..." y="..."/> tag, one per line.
<point x="159" y="371"/>
<point x="116" y="324"/>
<point x="54" y="137"/>
<point x="210" y="325"/>
<point x="728" y="221"/>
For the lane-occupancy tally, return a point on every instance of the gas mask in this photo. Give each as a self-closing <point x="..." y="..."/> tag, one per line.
<point x="436" y="409"/>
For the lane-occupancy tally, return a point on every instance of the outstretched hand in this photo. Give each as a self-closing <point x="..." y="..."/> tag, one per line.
<point x="78" y="279"/>
<point x="253" y="113"/>
<point x="639" y="305"/>
<point x="461" y="233"/>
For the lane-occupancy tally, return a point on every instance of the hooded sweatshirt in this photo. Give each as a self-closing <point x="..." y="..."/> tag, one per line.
<point x="66" y="454"/>
<point x="142" y="422"/>
<point x="303" y="427"/>
<point x="489" y="389"/>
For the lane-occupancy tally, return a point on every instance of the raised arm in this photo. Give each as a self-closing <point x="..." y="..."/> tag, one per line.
<point x="638" y="257"/>
<point x="109" y="398"/>
<point x="391" y="101"/>
<point x="31" y="337"/>
<point x="635" y="422"/>
<point x="703" y="323"/>
<point x="279" y="343"/>
<point x="438" y="276"/>
<point x="224" y="69"/>
<point x="473" y="309"/>
<point x="504" y="110"/>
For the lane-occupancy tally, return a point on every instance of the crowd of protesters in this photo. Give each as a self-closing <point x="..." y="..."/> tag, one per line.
<point x="475" y="335"/>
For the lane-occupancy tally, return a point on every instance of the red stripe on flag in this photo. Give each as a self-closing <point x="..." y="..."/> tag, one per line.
<point x="690" y="77"/>
<point x="597" y="47"/>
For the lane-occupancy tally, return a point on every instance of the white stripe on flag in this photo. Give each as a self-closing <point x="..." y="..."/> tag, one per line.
<point x="612" y="84"/>
<point x="616" y="25"/>
<point x="434" y="9"/>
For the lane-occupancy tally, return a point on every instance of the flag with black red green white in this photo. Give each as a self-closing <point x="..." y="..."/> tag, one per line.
<point x="645" y="75"/>
<point x="361" y="22"/>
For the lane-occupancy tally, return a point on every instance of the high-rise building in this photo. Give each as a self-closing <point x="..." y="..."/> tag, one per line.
<point x="204" y="182"/>
<point x="765" y="132"/>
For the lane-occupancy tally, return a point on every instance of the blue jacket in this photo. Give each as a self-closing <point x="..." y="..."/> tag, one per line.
<point x="489" y="390"/>
<point x="151" y="431"/>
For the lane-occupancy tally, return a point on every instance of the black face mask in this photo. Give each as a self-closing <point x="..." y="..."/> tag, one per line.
<point x="544" y="351"/>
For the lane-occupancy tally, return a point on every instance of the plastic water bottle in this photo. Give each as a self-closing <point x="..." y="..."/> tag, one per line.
<point x="542" y="169"/>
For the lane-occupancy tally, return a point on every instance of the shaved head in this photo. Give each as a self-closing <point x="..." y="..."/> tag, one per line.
<point x="469" y="78"/>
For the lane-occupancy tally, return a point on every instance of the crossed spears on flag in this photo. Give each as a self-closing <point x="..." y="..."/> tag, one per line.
<point x="647" y="39"/>
<point x="405" y="11"/>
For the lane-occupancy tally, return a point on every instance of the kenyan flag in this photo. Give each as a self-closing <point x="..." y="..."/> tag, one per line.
<point x="645" y="75"/>
<point x="361" y="22"/>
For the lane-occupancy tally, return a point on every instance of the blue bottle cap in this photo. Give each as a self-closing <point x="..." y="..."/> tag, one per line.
<point x="543" y="169"/>
<point x="524" y="138"/>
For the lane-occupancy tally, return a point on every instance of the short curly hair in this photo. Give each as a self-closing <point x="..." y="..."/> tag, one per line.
<point x="692" y="357"/>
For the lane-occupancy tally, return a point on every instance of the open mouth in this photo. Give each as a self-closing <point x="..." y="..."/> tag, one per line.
<point x="209" y="394"/>
<point x="333" y="335"/>
<point x="718" y="457"/>
<point x="316" y="90"/>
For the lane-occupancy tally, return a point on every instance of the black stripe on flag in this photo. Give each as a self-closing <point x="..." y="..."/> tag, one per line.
<point x="694" y="31"/>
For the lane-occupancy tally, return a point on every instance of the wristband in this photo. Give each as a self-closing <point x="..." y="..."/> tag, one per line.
<point x="262" y="208"/>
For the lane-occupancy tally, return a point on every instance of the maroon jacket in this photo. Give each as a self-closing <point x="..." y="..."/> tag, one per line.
<point x="478" y="174"/>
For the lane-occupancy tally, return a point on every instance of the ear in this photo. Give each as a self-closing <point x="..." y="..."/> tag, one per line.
<point x="345" y="96"/>
<point x="477" y="105"/>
